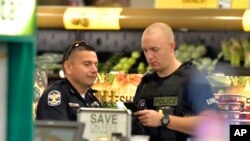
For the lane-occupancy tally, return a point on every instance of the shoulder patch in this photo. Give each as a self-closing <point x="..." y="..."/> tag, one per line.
<point x="54" y="98"/>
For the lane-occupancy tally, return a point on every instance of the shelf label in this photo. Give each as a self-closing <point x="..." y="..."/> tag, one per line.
<point x="17" y="17"/>
<point x="92" y="18"/>
<point x="233" y="4"/>
<point x="186" y="4"/>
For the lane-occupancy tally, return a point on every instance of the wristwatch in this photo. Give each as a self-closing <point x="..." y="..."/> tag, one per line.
<point x="165" y="120"/>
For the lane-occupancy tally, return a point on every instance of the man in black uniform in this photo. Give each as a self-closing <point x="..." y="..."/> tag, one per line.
<point x="61" y="100"/>
<point x="174" y="96"/>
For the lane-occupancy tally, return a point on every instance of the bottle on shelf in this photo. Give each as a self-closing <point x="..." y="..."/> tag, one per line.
<point x="113" y="101"/>
<point x="105" y="99"/>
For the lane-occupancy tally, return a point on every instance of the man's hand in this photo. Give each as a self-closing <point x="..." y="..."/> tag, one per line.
<point x="149" y="118"/>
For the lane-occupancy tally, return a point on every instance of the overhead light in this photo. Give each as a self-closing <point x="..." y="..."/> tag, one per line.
<point x="246" y="20"/>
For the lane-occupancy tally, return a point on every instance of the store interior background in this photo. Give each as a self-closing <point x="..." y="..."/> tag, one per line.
<point x="51" y="42"/>
<point x="123" y="42"/>
<point x="115" y="45"/>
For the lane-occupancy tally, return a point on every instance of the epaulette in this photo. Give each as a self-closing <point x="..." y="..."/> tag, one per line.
<point x="187" y="68"/>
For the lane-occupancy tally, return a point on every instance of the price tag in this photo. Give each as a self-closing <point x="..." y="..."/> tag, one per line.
<point x="189" y="4"/>
<point x="92" y="18"/>
<point x="17" y="17"/>
<point x="101" y="123"/>
<point x="224" y="4"/>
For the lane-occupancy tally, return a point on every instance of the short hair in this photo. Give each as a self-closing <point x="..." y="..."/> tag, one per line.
<point x="77" y="45"/>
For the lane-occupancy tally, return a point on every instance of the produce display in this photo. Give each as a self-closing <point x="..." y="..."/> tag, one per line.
<point x="232" y="94"/>
<point x="236" y="50"/>
<point x="134" y="64"/>
<point x="124" y="63"/>
<point x="198" y="53"/>
<point x="49" y="62"/>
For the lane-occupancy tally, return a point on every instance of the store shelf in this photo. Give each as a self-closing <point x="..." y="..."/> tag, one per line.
<point x="227" y="69"/>
<point x="140" y="18"/>
<point x="56" y="40"/>
<point x="199" y="26"/>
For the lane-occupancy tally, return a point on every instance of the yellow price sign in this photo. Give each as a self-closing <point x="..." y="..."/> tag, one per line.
<point x="92" y="18"/>
<point x="189" y="4"/>
<point x="240" y="4"/>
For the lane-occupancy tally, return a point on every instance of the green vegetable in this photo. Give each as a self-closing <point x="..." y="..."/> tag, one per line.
<point x="219" y="81"/>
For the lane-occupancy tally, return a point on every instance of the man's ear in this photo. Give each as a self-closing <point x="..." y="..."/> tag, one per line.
<point x="171" y="47"/>
<point x="67" y="67"/>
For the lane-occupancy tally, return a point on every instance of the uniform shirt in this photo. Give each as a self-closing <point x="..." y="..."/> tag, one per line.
<point x="60" y="101"/>
<point x="199" y="94"/>
<point x="195" y="95"/>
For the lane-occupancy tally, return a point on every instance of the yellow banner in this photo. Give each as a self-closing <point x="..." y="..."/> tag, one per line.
<point x="124" y="85"/>
<point x="92" y="18"/>
<point x="189" y="4"/>
<point x="240" y="4"/>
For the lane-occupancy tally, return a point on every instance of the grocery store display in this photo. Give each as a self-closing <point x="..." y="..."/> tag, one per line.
<point x="49" y="62"/>
<point x="236" y="50"/>
<point x="40" y="83"/>
<point x="105" y="99"/>
<point x="232" y="108"/>
<point x="126" y="63"/>
<point x="197" y="53"/>
<point x="107" y="66"/>
<point x="219" y="81"/>
<point x="113" y="103"/>
<point x="231" y="93"/>
<point x="120" y="86"/>
<point x="233" y="50"/>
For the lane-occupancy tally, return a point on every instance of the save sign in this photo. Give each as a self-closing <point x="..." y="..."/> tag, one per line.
<point x="101" y="122"/>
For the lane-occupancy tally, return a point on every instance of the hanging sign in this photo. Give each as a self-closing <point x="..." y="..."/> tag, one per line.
<point x="102" y="123"/>
<point x="92" y="18"/>
<point x="17" y="17"/>
<point x="189" y="4"/>
<point x="240" y="4"/>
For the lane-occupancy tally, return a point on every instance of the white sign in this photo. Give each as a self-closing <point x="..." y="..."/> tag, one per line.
<point x="101" y="122"/>
<point x="16" y="17"/>
<point x="3" y="90"/>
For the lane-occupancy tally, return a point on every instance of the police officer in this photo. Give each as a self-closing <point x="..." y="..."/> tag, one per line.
<point x="61" y="100"/>
<point x="174" y="95"/>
